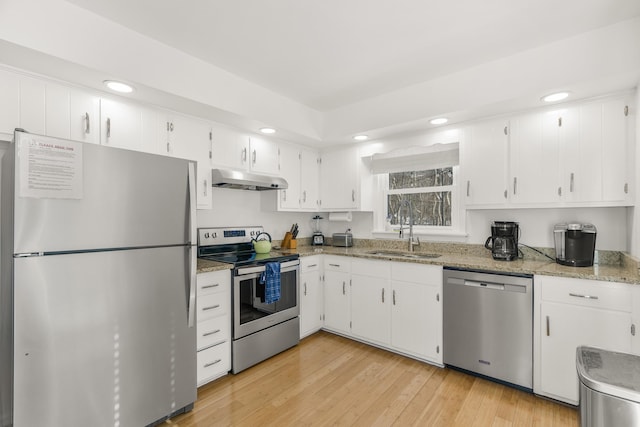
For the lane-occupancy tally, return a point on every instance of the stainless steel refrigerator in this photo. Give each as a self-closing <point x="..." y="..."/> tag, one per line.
<point x="98" y="285"/>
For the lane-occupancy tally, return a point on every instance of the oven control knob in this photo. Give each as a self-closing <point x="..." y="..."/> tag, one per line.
<point x="206" y="235"/>
<point x="214" y="235"/>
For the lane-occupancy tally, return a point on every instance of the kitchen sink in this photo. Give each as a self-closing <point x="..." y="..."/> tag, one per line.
<point x="412" y="255"/>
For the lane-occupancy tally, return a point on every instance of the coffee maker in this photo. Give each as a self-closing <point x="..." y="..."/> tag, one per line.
<point x="503" y="241"/>
<point x="575" y="244"/>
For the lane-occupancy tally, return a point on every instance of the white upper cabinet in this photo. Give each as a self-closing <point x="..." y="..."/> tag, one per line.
<point x="72" y="114"/>
<point x="264" y="156"/>
<point x="309" y="179"/>
<point x="190" y="138"/>
<point x="229" y="148"/>
<point x="534" y="158"/>
<point x="573" y="155"/>
<point x="9" y="103"/>
<point x="289" y="199"/>
<point x="236" y="150"/>
<point x="129" y="126"/>
<point x="345" y="183"/>
<point x="299" y="167"/>
<point x="484" y="163"/>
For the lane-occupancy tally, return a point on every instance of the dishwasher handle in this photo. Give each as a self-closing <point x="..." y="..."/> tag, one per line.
<point x="485" y="285"/>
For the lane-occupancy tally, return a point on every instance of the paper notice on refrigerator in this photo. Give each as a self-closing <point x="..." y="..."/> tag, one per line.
<point x="49" y="168"/>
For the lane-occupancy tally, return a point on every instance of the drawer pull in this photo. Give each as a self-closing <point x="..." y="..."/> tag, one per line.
<point x="211" y="307"/>
<point x="206" y="365"/>
<point x="334" y="265"/>
<point x="583" y="296"/>
<point x="215" y="285"/>
<point x="312" y="265"/>
<point x="206" y="334"/>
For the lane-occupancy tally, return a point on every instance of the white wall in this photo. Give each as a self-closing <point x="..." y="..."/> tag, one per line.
<point x="243" y="208"/>
<point x="537" y="225"/>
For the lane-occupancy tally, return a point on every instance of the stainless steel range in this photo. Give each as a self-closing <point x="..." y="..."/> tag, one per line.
<point x="261" y="327"/>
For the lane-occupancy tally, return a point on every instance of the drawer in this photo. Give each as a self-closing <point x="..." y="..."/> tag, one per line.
<point x="337" y="263"/>
<point x="309" y="263"/>
<point x="213" y="362"/>
<point x="589" y="293"/>
<point x="212" y="305"/>
<point x="212" y="282"/>
<point x="416" y="273"/>
<point x="364" y="267"/>
<point x="213" y="331"/>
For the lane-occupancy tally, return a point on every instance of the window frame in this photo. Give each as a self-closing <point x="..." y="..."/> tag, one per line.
<point x="382" y="226"/>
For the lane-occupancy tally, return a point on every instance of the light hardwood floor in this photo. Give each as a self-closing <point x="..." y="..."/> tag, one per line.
<point x="331" y="380"/>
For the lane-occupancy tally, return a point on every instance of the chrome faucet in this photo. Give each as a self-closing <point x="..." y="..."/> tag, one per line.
<point x="411" y="242"/>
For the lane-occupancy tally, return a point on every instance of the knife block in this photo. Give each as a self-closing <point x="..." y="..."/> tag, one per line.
<point x="286" y="242"/>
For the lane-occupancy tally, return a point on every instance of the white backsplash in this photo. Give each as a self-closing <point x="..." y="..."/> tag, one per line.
<point x="239" y="207"/>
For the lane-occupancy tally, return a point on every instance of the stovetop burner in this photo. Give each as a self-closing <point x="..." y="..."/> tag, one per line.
<point x="233" y="246"/>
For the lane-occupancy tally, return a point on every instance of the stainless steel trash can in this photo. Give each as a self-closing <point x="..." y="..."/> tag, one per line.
<point x="609" y="388"/>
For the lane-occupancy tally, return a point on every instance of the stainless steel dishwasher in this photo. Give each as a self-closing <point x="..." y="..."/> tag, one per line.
<point x="488" y="324"/>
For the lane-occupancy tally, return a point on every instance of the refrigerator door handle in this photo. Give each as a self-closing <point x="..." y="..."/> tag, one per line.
<point x="193" y="228"/>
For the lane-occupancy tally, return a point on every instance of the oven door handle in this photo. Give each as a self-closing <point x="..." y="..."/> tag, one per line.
<point x="284" y="267"/>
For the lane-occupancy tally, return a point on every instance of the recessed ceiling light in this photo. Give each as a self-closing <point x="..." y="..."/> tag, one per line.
<point x="554" y="97"/>
<point x="268" y="131"/>
<point x="439" y="121"/>
<point x="118" y="86"/>
<point x="361" y="137"/>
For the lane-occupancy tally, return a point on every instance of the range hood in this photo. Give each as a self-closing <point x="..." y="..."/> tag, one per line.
<point x="229" y="178"/>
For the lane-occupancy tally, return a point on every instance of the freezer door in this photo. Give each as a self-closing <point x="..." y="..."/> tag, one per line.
<point x="102" y="338"/>
<point x="121" y="198"/>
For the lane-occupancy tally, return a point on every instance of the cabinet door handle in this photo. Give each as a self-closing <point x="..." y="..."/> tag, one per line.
<point x="583" y="296"/>
<point x="215" y="285"/>
<point x="560" y="191"/>
<point x="205" y="188"/>
<point x="571" y="180"/>
<point x="211" y="307"/>
<point x="108" y="127"/>
<point x="393" y="296"/>
<point x="206" y="365"/>
<point x="254" y="157"/>
<point x="548" y="330"/>
<point x="438" y="297"/>
<point x="505" y="194"/>
<point x="168" y="147"/>
<point x="633" y="330"/>
<point x="343" y="288"/>
<point x="626" y="188"/>
<point x="383" y="295"/>
<point x="515" y="185"/>
<point x="305" y="288"/>
<point x="353" y="195"/>
<point x="284" y="195"/>
<point x="244" y="155"/>
<point x="468" y="187"/>
<point x="304" y="196"/>
<point x="87" y="123"/>
<point x="206" y="334"/>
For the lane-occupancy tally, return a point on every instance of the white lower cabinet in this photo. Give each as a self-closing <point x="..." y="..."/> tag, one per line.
<point x="573" y="312"/>
<point x="337" y="293"/>
<point x="213" y="316"/>
<point x="416" y="311"/>
<point x="393" y="305"/>
<point x="371" y="300"/>
<point x="311" y="295"/>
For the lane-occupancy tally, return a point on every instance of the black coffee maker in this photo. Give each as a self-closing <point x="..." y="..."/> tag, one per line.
<point x="503" y="241"/>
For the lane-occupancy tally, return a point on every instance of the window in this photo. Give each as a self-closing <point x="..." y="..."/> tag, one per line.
<point x="427" y="197"/>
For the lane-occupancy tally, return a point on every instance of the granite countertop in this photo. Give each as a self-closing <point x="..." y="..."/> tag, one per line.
<point x="613" y="266"/>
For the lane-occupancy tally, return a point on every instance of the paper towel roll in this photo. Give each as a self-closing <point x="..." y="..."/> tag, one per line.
<point x="340" y="216"/>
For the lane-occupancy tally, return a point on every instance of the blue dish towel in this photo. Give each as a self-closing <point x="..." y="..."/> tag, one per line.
<point x="271" y="279"/>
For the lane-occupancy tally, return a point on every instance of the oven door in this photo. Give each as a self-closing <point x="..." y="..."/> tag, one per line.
<point x="250" y="312"/>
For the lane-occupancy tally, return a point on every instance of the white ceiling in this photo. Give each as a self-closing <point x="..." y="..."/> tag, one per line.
<point x="332" y="53"/>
